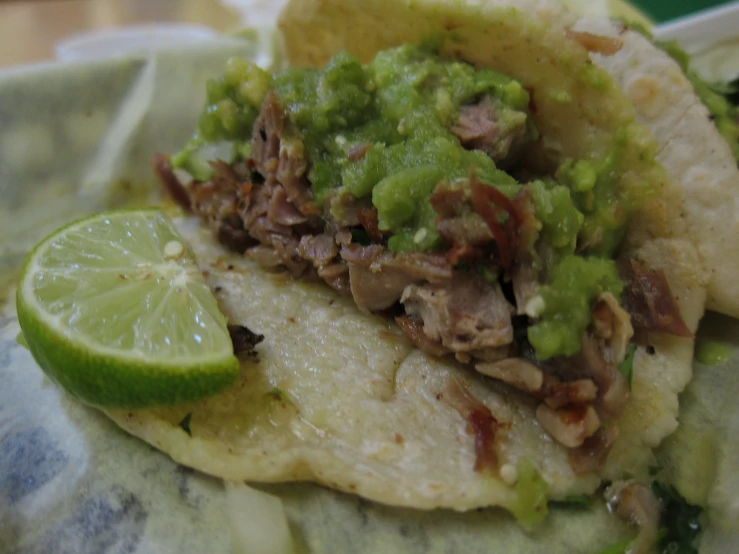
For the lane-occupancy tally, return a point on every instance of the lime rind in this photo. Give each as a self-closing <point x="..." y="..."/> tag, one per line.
<point x="127" y="343"/>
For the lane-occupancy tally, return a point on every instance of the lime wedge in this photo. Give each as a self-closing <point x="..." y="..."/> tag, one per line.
<point x="114" y="308"/>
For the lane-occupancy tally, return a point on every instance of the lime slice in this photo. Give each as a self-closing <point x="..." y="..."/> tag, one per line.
<point x="115" y="309"/>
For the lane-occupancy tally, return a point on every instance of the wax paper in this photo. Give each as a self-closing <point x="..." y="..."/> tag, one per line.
<point x="79" y="138"/>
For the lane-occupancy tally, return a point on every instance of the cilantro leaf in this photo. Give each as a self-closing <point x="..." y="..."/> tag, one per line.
<point x="185" y="423"/>
<point x="679" y="521"/>
<point x="626" y="367"/>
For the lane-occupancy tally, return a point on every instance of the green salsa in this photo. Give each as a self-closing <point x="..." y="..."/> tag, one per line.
<point x="712" y="353"/>
<point x="400" y="110"/>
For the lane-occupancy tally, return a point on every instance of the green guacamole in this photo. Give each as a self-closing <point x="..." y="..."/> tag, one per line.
<point x="400" y="110"/>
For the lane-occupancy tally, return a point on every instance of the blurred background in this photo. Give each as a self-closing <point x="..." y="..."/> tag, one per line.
<point x="29" y="29"/>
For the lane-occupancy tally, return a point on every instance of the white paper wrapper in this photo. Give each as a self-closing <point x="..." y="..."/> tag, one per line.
<point x="78" y="138"/>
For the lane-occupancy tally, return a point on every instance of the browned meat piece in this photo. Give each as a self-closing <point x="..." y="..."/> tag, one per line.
<point x="488" y="125"/>
<point x="217" y="203"/>
<point x="558" y="394"/>
<point x="265" y="142"/>
<point x="481" y="421"/>
<point x="414" y="331"/>
<point x="287" y="250"/>
<point x="517" y="372"/>
<point x="358" y="151"/>
<point x="278" y="155"/>
<point x="264" y="256"/>
<point x="372" y="290"/>
<point x="378" y="278"/>
<point x="319" y="249"/>
<point x="266" y="231"/>
<point x="590" y="455"/>
<point x="274" y="211"/>
<point x="422" y="266"/>
<point x="649" y="301"/>
<point x="569" y="426"/>
<point x="523" y="275"/>
<point x="243" y="339"/>
<point x="343" y="237"/>
<point x="466" y="314"/>
<point x="607" y="46"/>
<point x="362" y="255"/>
<point x="465" y="231"/>
<point x="291" y="174"/>
<point x="163" y="170"/>
<point x="447" y="201"/>
<point x="525" y="376"/>
<point x="280" y="210"/>
<point x="368" y="219"/>
<point x="638" y="504"/>
<point x="612" y="386"/>
<point x="468" y="229"/>
<point x="612" y="324"/>
<point x="336" y="276"/>
<point x="488" y="202"/>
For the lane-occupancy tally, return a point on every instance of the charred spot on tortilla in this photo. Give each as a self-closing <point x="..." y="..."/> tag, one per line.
<point x="244" y="340"/>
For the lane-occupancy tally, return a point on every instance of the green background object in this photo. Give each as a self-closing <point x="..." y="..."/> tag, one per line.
<point x="664" y="10"/>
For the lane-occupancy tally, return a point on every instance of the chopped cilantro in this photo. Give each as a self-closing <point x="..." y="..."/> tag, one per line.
<point x="679" y="521"/>
<point x="277" y="394"/>
<point x="626" y="367"/>
<point x="185" y="423"/>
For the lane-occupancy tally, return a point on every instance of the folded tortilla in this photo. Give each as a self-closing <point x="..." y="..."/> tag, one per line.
<point x="342" y="398"/>
<point x="693" y="153"/>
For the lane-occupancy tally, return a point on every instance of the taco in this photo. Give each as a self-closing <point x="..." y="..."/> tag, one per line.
<point x="462" y="254"/>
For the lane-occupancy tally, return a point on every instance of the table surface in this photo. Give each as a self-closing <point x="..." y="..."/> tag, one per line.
<point x="29" y="29"/>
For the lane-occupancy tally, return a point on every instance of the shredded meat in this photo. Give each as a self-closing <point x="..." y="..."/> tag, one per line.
<point x="414" y="331"/>
<point x="649" y="301"/>
<point x="517" y="372"/>
<point x="488" y="202"/>
<point x="469" y="229"/>
<point x="358" y="151"/>
<point x="217" y="202"/>
<point x="281" y="211"/>
<point x="491" y="127"/>
<point x="638" y="504"/>
<point x="523" y="275"/>
<point x="466" y="314"/>
<point x="368" y="219"/>
<point x="481" y="420"/>
<point x="560" y="394"/>
<point x="319" y="249"/>
<point x="378" y="278"/>
<point x="163" y="170"/>
<point x="607" y="46"/>
<point x="569" y="426"/>
<point x="590" y="455"/>
<point x="612" y="386"/>
<point x="612" y="324"/>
